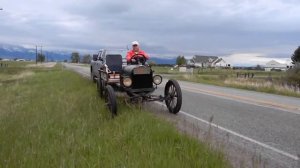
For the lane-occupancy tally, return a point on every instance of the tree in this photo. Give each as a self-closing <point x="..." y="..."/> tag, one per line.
<point x="296" y="57"/>
<point x="152" y="63"/>
<point x="180" y="60"/>
<point x="259" y="67"/>
<point x="75" y="58"/>
<point x="41" y="57"/>
<point x="86" y="59"/>
<point x="293" y="76"/>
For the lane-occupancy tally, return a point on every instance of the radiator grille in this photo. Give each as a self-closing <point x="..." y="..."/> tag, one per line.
<point x="142" y="81"/>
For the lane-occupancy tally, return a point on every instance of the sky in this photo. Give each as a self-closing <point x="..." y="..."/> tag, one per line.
<point x="241" y="31"/>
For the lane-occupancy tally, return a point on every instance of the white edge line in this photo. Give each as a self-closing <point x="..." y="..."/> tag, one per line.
<point x="239" y="135"/>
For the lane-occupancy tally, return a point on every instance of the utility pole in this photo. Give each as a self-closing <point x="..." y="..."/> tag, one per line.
<point x="41" y="52"/>
<point x="36" y="54"/>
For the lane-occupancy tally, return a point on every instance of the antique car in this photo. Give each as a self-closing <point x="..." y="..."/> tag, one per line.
<point x="95" y="65"/>
<point x="135" y="78"/>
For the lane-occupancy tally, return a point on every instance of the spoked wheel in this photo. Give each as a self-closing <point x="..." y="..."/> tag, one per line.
<point x="110" y="100"/>
<point x="173" y="96"/>
<point x="100" y="87"/>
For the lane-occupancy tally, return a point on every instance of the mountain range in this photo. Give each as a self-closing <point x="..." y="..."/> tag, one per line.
<point x="8" y="51"/>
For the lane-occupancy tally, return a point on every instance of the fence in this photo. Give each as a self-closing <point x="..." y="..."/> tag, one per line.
<point x="244" y="75"/>
<point x="3" y="64"/>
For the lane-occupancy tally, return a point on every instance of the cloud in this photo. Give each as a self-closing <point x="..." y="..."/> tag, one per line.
<point x="165" y="28"/>
<point x="250" y="59"/>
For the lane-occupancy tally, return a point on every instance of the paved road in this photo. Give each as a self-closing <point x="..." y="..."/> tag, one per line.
<point x="266" y="124"/>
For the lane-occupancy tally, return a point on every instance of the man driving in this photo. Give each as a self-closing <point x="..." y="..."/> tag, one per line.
<point x="135" y="52"/>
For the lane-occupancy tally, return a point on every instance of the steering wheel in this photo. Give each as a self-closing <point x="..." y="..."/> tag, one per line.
<point x="139" y="59"/>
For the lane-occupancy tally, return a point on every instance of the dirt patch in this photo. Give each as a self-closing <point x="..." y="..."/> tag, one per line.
<point x="45" y="65"/>
<point x="22" y="75"/>
<point x="12" y="78"/>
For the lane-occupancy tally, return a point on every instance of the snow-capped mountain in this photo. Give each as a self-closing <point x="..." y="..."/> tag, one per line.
<point x="8" y="51"/>
<point x="13" y="51"/>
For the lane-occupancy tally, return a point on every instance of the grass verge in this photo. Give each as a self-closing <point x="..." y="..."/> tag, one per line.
<point x="54" y="118"/>
<point x="267" y="82"/>
<point x="245" y="84"/>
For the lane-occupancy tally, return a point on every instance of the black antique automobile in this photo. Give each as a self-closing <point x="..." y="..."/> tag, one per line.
<point x="137" y="79"/>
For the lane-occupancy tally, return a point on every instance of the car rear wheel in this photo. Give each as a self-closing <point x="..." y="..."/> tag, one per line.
<point x="111" y="100"/>
<point x="93" y="77"/>
<point x="173" y="96"/>
<point x="100" y="87"/>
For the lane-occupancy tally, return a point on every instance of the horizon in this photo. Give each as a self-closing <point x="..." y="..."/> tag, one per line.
<point x="286" y="60"/>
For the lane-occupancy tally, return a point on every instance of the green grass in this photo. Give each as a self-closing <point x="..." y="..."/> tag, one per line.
<point x="54" y="118"/>
<point x="164" y="70"/>
<point x="217" y="72"/>
<point x="258" y="84"/>
<point x="17" y="63"/>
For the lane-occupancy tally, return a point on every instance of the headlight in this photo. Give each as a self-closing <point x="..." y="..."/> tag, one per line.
<point x="157" y="79"/>
<point x="127" y="82"/>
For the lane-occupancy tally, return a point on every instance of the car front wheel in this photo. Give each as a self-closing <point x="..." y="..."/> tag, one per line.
<point x="173" y="96"/>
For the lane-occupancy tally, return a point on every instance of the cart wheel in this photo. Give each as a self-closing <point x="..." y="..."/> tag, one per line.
<point x="173" y="96"/>
<point x="110" y="100"/>
<point x="100" y="87"/>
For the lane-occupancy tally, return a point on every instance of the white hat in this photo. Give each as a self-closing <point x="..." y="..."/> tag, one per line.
<point x="135" y="43"/>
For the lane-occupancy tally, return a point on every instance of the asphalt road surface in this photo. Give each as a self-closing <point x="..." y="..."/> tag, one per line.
<point x="265" y="124"/>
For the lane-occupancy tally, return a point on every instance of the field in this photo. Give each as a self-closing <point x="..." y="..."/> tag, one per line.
<point x="52" y="117"/>
<point x="269" y="82"/>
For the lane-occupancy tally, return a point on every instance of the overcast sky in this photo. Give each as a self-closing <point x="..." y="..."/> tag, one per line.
<point x="241" y="31"/>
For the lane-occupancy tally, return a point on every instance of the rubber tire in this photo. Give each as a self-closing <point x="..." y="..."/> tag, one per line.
<point x="100" y="87"/>
<point x="177" y="107"/>
<point x="93" y="77"/>
<point x="111" y="97"/>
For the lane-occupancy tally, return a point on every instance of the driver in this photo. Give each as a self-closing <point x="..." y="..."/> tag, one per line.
<point x="135" y="51"/>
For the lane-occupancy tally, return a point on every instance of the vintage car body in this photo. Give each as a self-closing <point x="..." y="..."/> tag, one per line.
<point x="141" y="76"/>
<point x="137" y="80"/>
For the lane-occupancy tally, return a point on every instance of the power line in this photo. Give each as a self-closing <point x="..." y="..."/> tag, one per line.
<point x="36" y="52"/>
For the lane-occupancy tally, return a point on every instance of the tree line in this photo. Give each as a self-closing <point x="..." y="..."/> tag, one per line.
<point x="180" y="60"/>
<point x="76" y="58"/>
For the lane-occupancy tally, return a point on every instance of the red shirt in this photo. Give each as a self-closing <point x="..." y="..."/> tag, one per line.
<point x="132" y="53"/>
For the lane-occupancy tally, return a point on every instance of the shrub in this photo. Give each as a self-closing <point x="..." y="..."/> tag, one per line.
<point x="293" y="76"/>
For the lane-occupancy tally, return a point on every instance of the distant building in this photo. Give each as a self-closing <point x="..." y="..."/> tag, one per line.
<point x="207" y="61"/>
<point x="20" y="60"/>
<point x="182" y="69"/>
<point x="5" y="59"/>
<point x="276" y="66"/>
